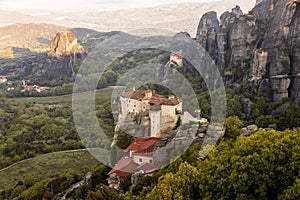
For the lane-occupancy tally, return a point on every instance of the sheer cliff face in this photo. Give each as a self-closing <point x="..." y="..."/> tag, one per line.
<point x="207" y="32"/>
<point x="261" y="48"/>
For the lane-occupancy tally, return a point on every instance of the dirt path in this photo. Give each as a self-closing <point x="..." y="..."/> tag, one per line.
<point x="63" y="195"/>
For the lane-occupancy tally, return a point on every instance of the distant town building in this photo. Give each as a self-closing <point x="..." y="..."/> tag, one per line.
<point x="10" y="89"/>
<point x="3" y="80"/>
<point x="34" y="87"/>
<point x="25" y="82"/>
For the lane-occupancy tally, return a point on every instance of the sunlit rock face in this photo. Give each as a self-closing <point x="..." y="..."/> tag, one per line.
<point x="65" y="43"/>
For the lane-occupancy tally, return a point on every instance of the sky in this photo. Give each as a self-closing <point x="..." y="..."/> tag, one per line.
<point x="80" y="5"/>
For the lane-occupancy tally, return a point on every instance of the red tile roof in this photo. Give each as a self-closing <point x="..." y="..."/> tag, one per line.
<point x="124" y="167"/>
<point x="147" y="168"/>
<point x="156" y="99"/>
<point x="28" y="88"/>
<point x="137" y="94"/>
<point x="143" y="145"/>
<point x="127" y="166"/>
<point x="170" y="102"/>
<point x="176" y="55"/>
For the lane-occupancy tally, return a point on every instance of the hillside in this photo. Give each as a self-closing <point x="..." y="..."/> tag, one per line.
<point x="163" y="20"/>
<point x="45" y="166"/>
<point x="34" y="37"/>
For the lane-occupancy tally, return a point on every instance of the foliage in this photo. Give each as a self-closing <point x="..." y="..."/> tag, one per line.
<point x="99" y="176"/>
<point x="292" y="192"/>
<point x="102" y="192"/>
<point x="263" y="166"/>
<point x="177" y="186"/>
<point x="31" y="127"/>
<point x="43" y="166"/>
<point x="233" y="127"/>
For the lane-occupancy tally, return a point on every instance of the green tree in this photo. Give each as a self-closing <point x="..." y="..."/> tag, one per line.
<point x="110" y="76"/>
<point x="292" y="192"/>
<point x="102" y="192"/>
<point x="177" y="186"/>
<point x="29" y="181"/>
<point x="233" y="127"/>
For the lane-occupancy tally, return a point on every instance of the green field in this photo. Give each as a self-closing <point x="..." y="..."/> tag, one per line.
<point x="47" y="165"/>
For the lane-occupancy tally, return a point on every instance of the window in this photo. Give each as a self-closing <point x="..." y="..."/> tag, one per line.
<point x="141" y="160"/>
<point x="151" y="161"/>
<point x="134" y="105"/>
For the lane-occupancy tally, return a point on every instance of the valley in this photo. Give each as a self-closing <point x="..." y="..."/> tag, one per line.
<point x="162" y="127"/>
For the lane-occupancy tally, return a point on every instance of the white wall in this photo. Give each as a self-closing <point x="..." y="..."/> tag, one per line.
<point x="155" y="117"/>
<point x="131" y="106"/>
<point x="168" y="111"/>
<point x="142" y="159"/>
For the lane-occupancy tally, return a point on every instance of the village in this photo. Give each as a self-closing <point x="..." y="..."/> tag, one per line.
<point x="24" y="84"/>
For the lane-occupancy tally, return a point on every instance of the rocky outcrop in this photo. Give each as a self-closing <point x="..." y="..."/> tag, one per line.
<point x="282" y="109"/>
<point x="246" y="106"/>
<point x="236" y="38"/>
<point x="259" y="65"/>
<point x="207" y="32"/>
<point x="275" y="43"/>
<point x="260" y="49"/>
<point x="243" y="39"/>
<point x="247" y="131"/>
<point x="65" y="43"/>
<point x="223" y="36"/>
<point x="263" y="8"/>
<point x="134" y="126"/>
<point x="237" y="11"/>
<point x="294" y="49"/>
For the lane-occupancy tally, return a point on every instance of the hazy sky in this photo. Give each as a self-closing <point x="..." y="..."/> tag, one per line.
<point x="71" y="5"/>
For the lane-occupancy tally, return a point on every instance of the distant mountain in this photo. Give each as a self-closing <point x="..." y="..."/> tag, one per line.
<point x="12" y="17"/>
<point x="165" y="19"/>
<point x="32" y="37"/>
<point x="19" y="40"/>
<point x="58" y="63"/>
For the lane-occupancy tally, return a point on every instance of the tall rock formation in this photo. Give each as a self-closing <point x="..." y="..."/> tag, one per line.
<point x="261" y="48"/>
<point x="207" y="32"/>
<point x="294" y="50"/>
<point x="65" y="43"/>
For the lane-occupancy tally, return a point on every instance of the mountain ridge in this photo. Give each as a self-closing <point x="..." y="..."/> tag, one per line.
<point x="171" y="17"/>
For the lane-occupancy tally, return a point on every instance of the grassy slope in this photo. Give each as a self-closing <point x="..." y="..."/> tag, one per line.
<point x="50" y="164"/>
<point x="47" y="165"/>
